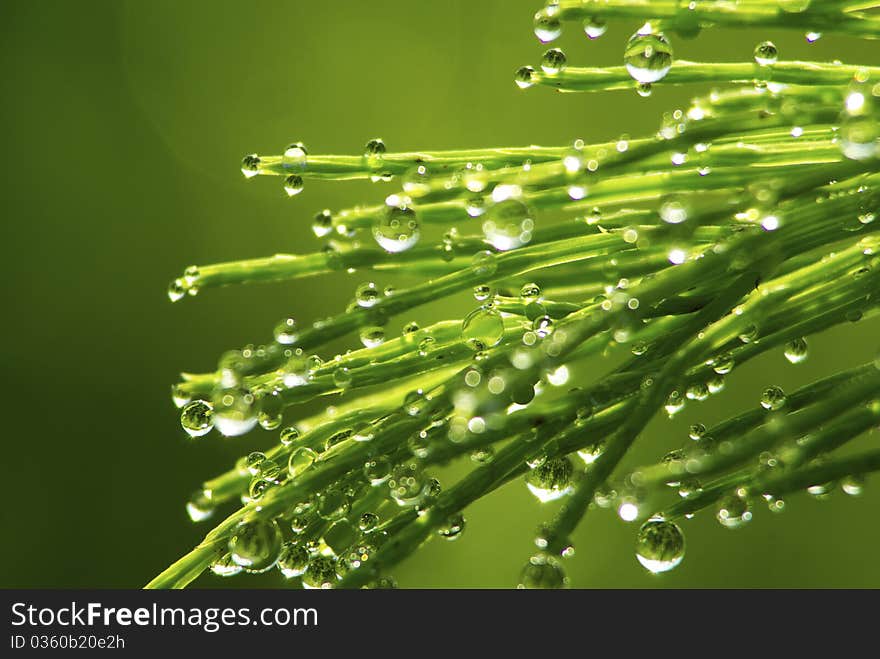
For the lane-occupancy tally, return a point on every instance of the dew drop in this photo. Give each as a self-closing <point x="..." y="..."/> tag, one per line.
<point x="509" y="224"/>
<point x="255" y="545"/>
<point x="595" y="27"/>
<point x="300" y="460"/>
<point x="796" y="351"/>
<point x="547" y="26"/>
<point x="367" y="295"/>
<point x="659" y="546"/>
<point x="372" y="336"/>
<point x="293" y="185"/>
<point x="484" y="264"/>
<point x="553" y="62"/>
<point x="322" y="225"/>
<point x="542" y="572"/>
<point x="294" y="156"/>
<point x="773" y="398"/>
<point x="294" y="560"/>
<point x="396" y="229"/>
<point x="320" y="573"/>
<point x="524" y="77"/>
<point x="552" y="479"/>
<point x="333" y="504"/>
<point x="453" y="527"/>
<point x="733" y="512"/>
<point x="250" y="165"/>
<point x="377" y="469"/>
<point x="196" y="418"/>
<point x="234" y="412"/>
<point x="483" y="328"/>
<point x="766" y="53"/>
<point x="200" y="505"/>
<point x="648" y="55"/>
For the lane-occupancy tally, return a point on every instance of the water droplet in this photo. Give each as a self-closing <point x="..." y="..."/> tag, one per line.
<point x="271" y="412"/>
<point x="197" y="418"/>
<point x="373" y="152"/>
<point x="377" y="469"/>
<point x="294" y="560"/>
<point x="796" y="351"/>
<point x="595" y="27"/>
<point x="659" y="546"/>
<point x="200" y="505"/>
<point x="766" y="53"/>
<point x="508" y="225"/>
<point x="396" y="229"/>
<point x="342" y="377"/>
<point x="859" y="134"/>
<point x="368" y="521"/>
<point x="322" y="225"/>
<point x="408" y="484"/>
<point x="177" y="290"/>
<point x="483" y="328"/>
<point x="723" y="364"/>
<point x="524" y="77"/>
<point x="553" y="61"/>
<point x="644" y="89"/>
<point x="367" y="295"/>
<point x="484" y="263"/>
<point x="697" y="431"/>
<point x="225" y="567"/>
<point x="543" y="572"/>
<point x="733" y="512"/>
<point x="179" y="396"/>
<point x="300" y="459"/>
<point x="552" y="479"/>
<point x="547" y="26"/>
<point x="674" y="403"/>
<point x="648" y="55"/>
<point x="289" y="435"/>
<point x="320" y="573"/>
<point x="293" y="185"/>
<point x="482" y="292"/>
<point x="853" y="485"/>
<point x="333" y="504"/>
<point x="773" y="398"/>
<point x="255" y="545"/>
<point x="253" y="461"/>
<point x="453" y="527"/>
<point x="234" y="412"/>
<point x="417" y="180"/>
<point x="372" y="336"/>
<point x="529" y="293"/>
<point x="250" y="165"/>
<point x="674" y="210"/>
<point x="294" y="155"/>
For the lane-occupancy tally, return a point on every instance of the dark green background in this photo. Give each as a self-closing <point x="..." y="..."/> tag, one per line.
<point x="124" y="123"/>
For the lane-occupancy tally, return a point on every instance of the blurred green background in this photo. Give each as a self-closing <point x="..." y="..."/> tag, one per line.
<point x="124" y="125"/>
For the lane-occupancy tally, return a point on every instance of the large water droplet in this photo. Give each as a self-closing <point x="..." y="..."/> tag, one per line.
<point x="796" y="351"/>
<point x="648" y="55"/>
<point x="551" y="479"/>
<point x="255" y="545"/>
<point x="234" y="412"/>
<point x="553" y="61"/>
<point x="483" y="328"/>
<point x="509" y="224"/>
<point x="543" y="572"/>
<point x="659" y="546"/>
<point x="547" y="26"/>
<point x="294" y="560"/>
<point x="294" y="156"/>
<point x="197" y="418"/>
<point x="397" y="227"/>
<point x="320" y="573"/>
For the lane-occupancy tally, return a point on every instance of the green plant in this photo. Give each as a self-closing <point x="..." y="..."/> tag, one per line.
<point x="745" y="224"/>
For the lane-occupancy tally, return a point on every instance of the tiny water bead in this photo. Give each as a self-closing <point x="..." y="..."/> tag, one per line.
<point x="342" y="377"/>
<point x="271" y="411"/>
<point x="733" y="511"/>
<point x="250" y="165"/>
<point x="294" y="155"/>
<point x="197" y="418"/>
<point x="552" y="479"/>
<point x="396" y="229"/>
<point x="553" y="61"/>
<point x="543" y="572"/>
<point x="255" y="545"/>
<point x="483" y="328"/>
<point x="367" y="522"/>
<point x="773" y="398"/>
<point x="660" y="546"/>
<point x="294" y="560"/>
<point x="322" y="224"/>
<point x="372" y="336"/>
<point x="377" y="469"/>
<point x="408" y="484"/>
<point x="529" y="293"/>
<point x="648" y="55"/>
<point x="766" y="53"/>
<point x="234" y="412"/>
<point x="289" y="435"/>
<point x="300" y="459"/>
<point x="482" y="292"/>
<point x="509" y="224"/>
<point x="177" y="290"/>
<point x="796" y="351"/>
<point x="286" y="331"/>
<point x="483" y="263"/>
<point x="293" y="185"/>
<point x="853" y="485"/>
<point x="374" y="150"/>
<point x="320" y="573"/>
<point x="253" y="462"/>
<point x="547" y="26"/>
<point x="674" y="210"/>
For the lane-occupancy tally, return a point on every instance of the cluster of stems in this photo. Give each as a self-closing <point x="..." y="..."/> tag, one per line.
<point x="615" y="281"/>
